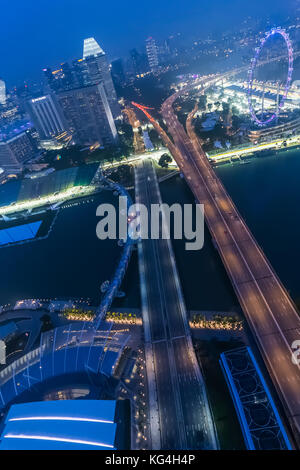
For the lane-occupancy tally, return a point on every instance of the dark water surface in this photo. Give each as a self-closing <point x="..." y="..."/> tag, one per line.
<point x="71" y="262"/>
<point x="267" y="193"/>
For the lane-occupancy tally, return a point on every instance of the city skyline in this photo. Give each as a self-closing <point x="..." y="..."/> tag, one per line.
<point x="40" y="35"/>
<point x="150" y="293"/>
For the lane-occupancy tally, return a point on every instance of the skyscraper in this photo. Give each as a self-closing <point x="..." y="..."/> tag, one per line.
<point x="47" y="116"/>
<point x="117" y="72"/>
<point x="55" y="78"/>
<point x="91" y="47"/>
<point x="68" y="76"/>
<point x="80" y="87"/>
<point x="152" y="54"/>
<point x="2" y="92"/>
<point x="80" y="73"/>
<point x="15" y="150"/>
<point x="88" y="115"/>
<point x="137" y="62"/>
<point x="99" y="72"/>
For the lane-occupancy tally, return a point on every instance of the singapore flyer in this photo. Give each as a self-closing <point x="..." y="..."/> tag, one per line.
<point x="261" y="121"/>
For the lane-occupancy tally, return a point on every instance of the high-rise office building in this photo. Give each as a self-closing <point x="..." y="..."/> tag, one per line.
<point x="99" y="72"/>
<point x="81" y="75"/>
<point x="15" y="150"/>
<point x="10" y="112"/>
<point x="67" y="76"/>
<point x="152" y="54"/>
<point x="174" y="44"/>
<point x="88" y="115"/>
<point x="47" y="116"/>
<point x="137" y="62"/>
<point x="91" y="48"/>
<point x="117" y="72"/>
<point x="2" y="92"/>
<point x="92" y="69"/>
<point x="55" y="78"/>
<point x="85" y="94"/>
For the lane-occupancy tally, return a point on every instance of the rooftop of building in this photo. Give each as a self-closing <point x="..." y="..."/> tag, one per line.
<point x="91" y="48"/>
<point x="60" y="425"/>
<point x="27" y="189"/>
<point x="14" y="129"/>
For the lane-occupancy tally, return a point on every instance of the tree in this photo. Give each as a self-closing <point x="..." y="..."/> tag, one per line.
<point x="164" y="160"/>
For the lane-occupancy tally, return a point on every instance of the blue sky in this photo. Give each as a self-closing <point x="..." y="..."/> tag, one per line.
<point x="37" y="33"/>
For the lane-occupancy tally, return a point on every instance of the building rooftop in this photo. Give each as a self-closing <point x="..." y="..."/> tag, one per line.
<point x="13" y="130"/>
<point x="60" y="425"/>
<point x="61" y="180"/>
<point x="19" y="233"/>
<point x="91" y="48"/>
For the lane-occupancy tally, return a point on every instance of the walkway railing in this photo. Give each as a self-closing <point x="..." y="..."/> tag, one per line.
<point x="121" y="269"/>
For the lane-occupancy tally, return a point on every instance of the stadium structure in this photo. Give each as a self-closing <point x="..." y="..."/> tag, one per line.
<point x="91" y="356"/>
<point x="64" y="425"/>
<point x="72" y="353"/>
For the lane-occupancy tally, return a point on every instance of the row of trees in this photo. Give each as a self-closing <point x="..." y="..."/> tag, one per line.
<point x="123" y="317"/>
<point x="217" y="322"/>
<point x="76" y="313"/>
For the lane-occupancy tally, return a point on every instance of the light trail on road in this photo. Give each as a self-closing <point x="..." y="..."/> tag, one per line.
<point x="268" y="308"/>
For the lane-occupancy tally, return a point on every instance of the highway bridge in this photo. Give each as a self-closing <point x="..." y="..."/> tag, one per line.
<point x="268" y="308"/>
<point x="180" y="415"/>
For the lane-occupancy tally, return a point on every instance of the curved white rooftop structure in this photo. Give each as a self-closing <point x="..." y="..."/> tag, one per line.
<point x="60" y="425"/>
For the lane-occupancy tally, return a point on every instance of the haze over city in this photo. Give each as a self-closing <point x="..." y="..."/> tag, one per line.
<point x="47" y="33"/>
<point x="149" y="232"/>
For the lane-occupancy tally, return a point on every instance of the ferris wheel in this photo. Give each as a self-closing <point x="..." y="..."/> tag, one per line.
<point x="254" y="64"/>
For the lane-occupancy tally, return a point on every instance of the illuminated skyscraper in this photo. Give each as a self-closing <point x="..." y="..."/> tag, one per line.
<point x="91" y="48"/>
<point x="2" y="92"/>
<point x="47" y="116"/>
<point x="99" y="72"/>
<point x="117" y="72"/>
<point x="137" y="62"/>
<point x="15" y="149"/>
<point x="88" y="115"/>
<point x="152" y="53"/>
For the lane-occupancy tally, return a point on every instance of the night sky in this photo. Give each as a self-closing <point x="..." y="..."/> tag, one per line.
<point x="37" y="33"/>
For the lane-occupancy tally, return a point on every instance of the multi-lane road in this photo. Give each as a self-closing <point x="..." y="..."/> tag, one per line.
<point x="179" y="410"/>
<point x="267" y="306"/>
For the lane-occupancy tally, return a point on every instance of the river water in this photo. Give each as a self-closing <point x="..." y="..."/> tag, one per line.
<point x="71" y="262"/>
<point x="267" y="194"/>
